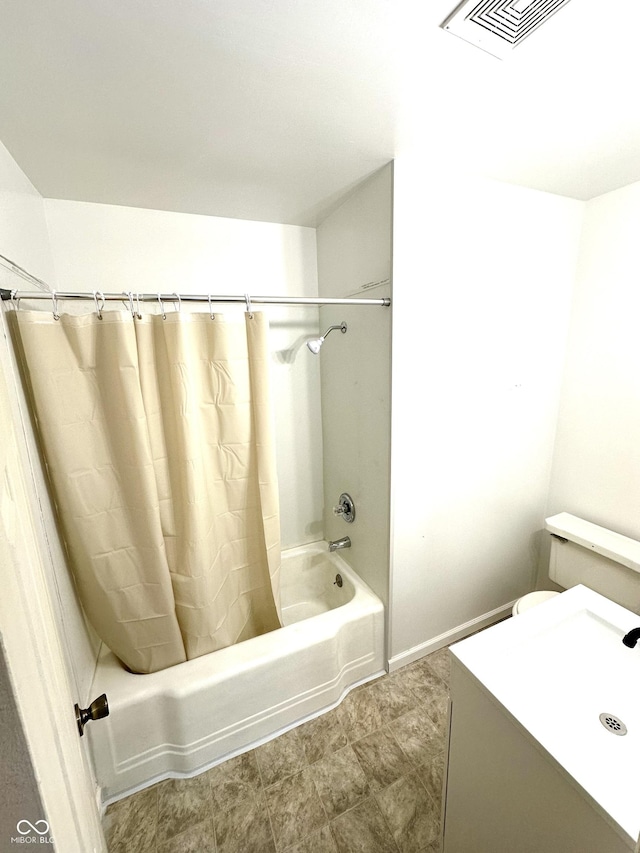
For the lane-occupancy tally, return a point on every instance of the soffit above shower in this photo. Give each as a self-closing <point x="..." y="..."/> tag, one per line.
<point x="499" y="26"/>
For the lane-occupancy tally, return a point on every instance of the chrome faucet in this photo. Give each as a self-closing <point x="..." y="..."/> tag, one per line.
<point x="345" y="542"/>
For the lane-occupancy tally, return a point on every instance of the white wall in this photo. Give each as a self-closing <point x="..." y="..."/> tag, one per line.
<point x="482" y="280"/>
<point x="354" y="252"/>
<point x="23" y="228"/>
<point x="596" y="467"/>
<point x="108" y="248"/>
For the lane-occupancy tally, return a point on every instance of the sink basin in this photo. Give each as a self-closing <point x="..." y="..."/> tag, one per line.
<point x="556" y="669"/>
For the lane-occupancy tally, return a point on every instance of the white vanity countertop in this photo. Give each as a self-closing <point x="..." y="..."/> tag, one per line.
<point x="555" y="669"/>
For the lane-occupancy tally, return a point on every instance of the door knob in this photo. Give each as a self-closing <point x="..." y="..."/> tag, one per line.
<point x="98" y="709"/>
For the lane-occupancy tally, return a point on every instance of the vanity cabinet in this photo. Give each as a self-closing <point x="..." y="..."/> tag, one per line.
<point x="504" y="793"/>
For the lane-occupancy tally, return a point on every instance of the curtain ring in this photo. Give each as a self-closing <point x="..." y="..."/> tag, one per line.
<point x="211" y="314"/>
<point x="247" y="299"/>
<point x="164" y="316"/>
<point x="129" y="296"/>
<point x="99" y="306"/>
<point x="177" y="295"/>
<point x="15" y="299"/>
<point x="54" y="299"/>
<point x="138" y="314"/>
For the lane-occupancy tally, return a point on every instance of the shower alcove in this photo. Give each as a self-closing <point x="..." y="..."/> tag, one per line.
<point x="332" y="410"/>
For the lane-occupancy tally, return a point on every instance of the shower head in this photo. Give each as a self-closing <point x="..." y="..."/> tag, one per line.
<point x="315" y="343"/>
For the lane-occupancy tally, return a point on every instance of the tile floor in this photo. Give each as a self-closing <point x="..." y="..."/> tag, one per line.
<point x="365" y="777"/>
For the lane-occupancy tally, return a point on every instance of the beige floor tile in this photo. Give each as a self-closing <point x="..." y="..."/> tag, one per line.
<point x="322" y="736"/>
<point x="235" y="781"/>
<point x="410" y="813"/>
<point x="440" y="663"/>
<point x="418" y="737"/>
<point x="130" y="825"/>
<point x="197" y="839"/>
<point x="363" y="830"/>
<point x="340" y="781"/>
<point x="244" y="828"/>
<point x="381" y="759"/>
<point x="295" y="809"/>
<point x="319" y="842"/>
<point x="394" y="698"/>
<point x="430" y="689"/>
<point x="359" y="712"/>
<point x="181" y="804"/>
<point x="422" y="680"/>
<point x="431" y="775"/>
<point x="281" y="757"/>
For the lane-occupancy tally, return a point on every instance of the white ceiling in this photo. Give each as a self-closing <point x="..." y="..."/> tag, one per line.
<point x="274" y="109"/>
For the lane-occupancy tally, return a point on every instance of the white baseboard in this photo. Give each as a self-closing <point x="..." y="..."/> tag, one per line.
<point x="449" y="637"/>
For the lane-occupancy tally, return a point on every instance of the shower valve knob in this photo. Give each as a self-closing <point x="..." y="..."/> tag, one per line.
<point x="97" y="710"/>
<point x="346" y="508"/>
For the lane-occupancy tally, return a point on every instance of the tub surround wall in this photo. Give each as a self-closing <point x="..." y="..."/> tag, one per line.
<point x="596" y="465"/>
<point x="354" y="252"/>
<point x="482" y="278"/>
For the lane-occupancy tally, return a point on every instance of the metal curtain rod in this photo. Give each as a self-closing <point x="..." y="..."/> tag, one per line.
<point x="46" y="292"/>
<point x="189" y="297"/>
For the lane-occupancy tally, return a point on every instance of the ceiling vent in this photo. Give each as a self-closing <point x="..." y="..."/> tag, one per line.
<point x="499" y="26"/>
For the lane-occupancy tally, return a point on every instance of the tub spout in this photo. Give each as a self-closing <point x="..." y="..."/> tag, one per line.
<point x="345" y="542"/>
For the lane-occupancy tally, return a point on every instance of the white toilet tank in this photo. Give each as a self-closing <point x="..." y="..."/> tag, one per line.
<point x="607" y="562"/>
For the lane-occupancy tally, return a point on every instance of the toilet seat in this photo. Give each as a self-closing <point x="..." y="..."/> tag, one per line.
<point x="532" y="599"/>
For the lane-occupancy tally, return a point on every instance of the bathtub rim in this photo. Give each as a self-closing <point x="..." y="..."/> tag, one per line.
<point x="363" y="596"/>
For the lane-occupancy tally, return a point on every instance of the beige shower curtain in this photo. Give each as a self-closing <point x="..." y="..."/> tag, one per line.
<point x="156" y="438"/>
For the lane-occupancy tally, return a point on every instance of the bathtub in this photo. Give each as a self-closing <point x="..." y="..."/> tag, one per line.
<point x="185" y="719"/>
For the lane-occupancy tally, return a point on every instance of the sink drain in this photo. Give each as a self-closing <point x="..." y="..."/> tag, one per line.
<point x="615" y="726"/>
